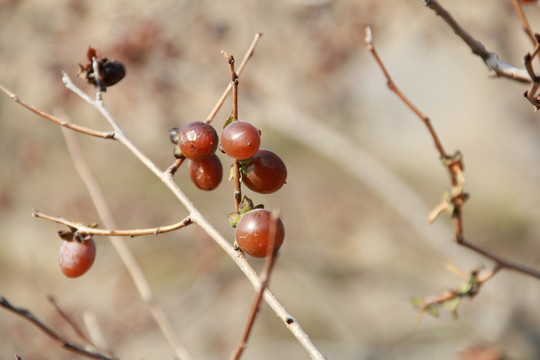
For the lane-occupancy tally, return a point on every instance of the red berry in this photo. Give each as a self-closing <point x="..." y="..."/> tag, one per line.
<point x="240" y="140"/>
<point x="206" y="174"/>
<point x="75" y="258"/>
<point x="197" y="140"/>
<point x="254" y="230"/>
<point x="265" y="172"/>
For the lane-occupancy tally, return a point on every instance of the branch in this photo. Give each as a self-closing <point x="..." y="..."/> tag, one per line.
<point x="454" y="164"/>
<point x="407" y="102"/>
<point x="502" y="262"/>
<point x="57" y="121"/>
<point x="524" y="21"/>
<point x="74" y="326"/>
<point x="236" y="165"/>
<point x="490" y="59"/>
<point x="247" y="56"/>
<point x="451" y="299"/>
<point x="110" y="232"/>
<point x="65" y="344"/>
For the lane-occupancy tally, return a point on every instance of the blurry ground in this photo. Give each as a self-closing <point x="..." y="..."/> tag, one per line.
<point x="350" y="264"/>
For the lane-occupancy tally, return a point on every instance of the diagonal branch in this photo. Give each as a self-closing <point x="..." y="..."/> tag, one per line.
<point x="406" y="101"/>
<point x="58" y="121"/>
<point x="502" y="262"/>
<point x="247" y="56"/>
<point x="490" y="58"/>
<point x="64" y="343"/>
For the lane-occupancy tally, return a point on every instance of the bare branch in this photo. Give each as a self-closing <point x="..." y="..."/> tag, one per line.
<point x="65" y="344"/>
<point x="455" y="166"/>
<point x="247" y="56"/>
<point x="58" y="121"/>
<point x="407" y="102"/>
<point x="524" y="21"/>
<point x="74" y="326"/>
<point x="490" y="58"/>
<point x="502" y="262"/>
<point x="113" y="232"/>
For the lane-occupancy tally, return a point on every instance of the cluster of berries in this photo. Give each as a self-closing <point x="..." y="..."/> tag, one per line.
<point x="261" y="170"/>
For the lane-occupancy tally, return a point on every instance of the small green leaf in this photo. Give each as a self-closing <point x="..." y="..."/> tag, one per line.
<point x="246" y="205"/>
<point x="229" y="120"/>
<point x="234" y="218"/>
<point x="432" y="310"/>
<point x="465" y="288"/>
<point x="417" y="302"/>
<point x="452" y="304"/>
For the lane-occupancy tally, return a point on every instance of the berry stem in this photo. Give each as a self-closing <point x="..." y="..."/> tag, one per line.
<point x="236" y="165"/>
<point x="56" y="120"/>
<point x="247" y="56"/>
<point x="234" y="84"/>
<point x="237" y="186"/>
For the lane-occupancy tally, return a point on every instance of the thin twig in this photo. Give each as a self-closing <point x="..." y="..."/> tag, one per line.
<point x="234" y="84"/>
<point x="175" y="166"/>
<point x="64" y="343"/>
<point x="504" y="263"/>
<point x="524" y="21"/>
<point x="58" y="121"/>
<point x="531" y="94"/>
<point x="491" y="59"/>
<point x="407" y="102"/>
<point x="265" y="280"/>
<point x="236" y="165"/>
<point x="113" y="232"/>
<point x="70" y="321"/>
<point x="247" y="56"/>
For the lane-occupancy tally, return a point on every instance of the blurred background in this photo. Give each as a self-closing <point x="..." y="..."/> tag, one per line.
<point x="363" y="175"/>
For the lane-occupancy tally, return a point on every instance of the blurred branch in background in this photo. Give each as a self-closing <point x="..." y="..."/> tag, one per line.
<point x="490" y="58"/>
<point x="454" y="202"/>
<point x="64" y="343"/>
